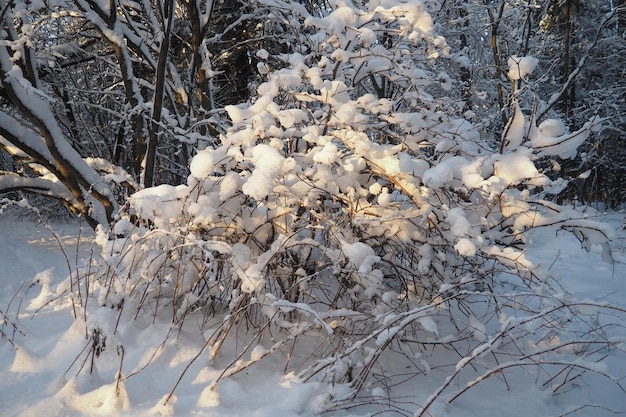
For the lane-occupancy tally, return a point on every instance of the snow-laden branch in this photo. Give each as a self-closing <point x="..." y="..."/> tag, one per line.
<point x="47" y="187"/>
<point x="47" y="144"/>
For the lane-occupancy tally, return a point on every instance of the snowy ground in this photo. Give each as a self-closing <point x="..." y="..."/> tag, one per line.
<point x="38" y="368"/>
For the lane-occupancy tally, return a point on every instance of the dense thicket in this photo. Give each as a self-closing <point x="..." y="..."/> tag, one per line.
<point x="330" y="171"/>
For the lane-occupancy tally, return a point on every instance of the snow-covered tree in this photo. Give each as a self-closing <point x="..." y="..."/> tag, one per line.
<point x="30" y="131"/>
<point x="116" y="95"/>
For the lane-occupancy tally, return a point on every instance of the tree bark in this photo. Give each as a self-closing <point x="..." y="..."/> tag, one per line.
<point x="157" y="106"/>
<point x="565" y="63"/>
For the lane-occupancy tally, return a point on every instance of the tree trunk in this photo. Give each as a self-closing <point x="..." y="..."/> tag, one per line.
<point x="495" y="23"/>
<point x="565" y="63"/>
<point x="150" y="163"/>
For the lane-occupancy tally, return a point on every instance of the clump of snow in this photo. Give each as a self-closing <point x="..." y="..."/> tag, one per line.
<point x="229" y="185"/>
<point x="459" y="225"/>
<point x="262" y="54"/>
<point x="122" y="227"/>
<point x="163" y="408"/>
<point x="161" y="204"/>
<point x="515" y="129"/>
<point x="290" y="117"/>
<point x="515" y="167"/>
<point x="565" y="145"/>
<point x="438" y="175"/>
<point x="375" y="188"/>
<point x="237" y="113"/>
<point x="552" y="128"/>
<point x="367" y="36"/>
<point x="521" y="67"/>
<point x="465" y="247"/>
<point x="360" y="255"/>
<point x="203" y="164"/>
<point x="46" y="294"/>
<point x="327" y="155"/>
<point x="258" y="352"/>
<point x="444" y="172"/>
<point x="384" y="198"/>
<point x="268" y="164"/>
<point x="209" y="398"/>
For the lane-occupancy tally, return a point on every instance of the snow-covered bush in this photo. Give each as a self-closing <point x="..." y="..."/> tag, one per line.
<point x="350" y="205"/>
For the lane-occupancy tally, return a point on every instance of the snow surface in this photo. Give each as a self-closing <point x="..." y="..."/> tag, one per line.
<point x="38" y="375"/>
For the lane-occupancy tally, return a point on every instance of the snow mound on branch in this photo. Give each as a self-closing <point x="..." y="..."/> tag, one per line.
<point x="551" y="137"/>
<point x="459" y="225"/>
<point x="44" y="279"/>
<point x="515" y="129"/>
<point x="202" y="165"/>
<point x="552" y="128"/>
<point x="465" y="247"/>
<point x="161" y="203"/>
<point x="269" y="163"/>
<point x="520" y="67"/>
<point x="360" y="254"/>
<point x="516" y="167"/>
